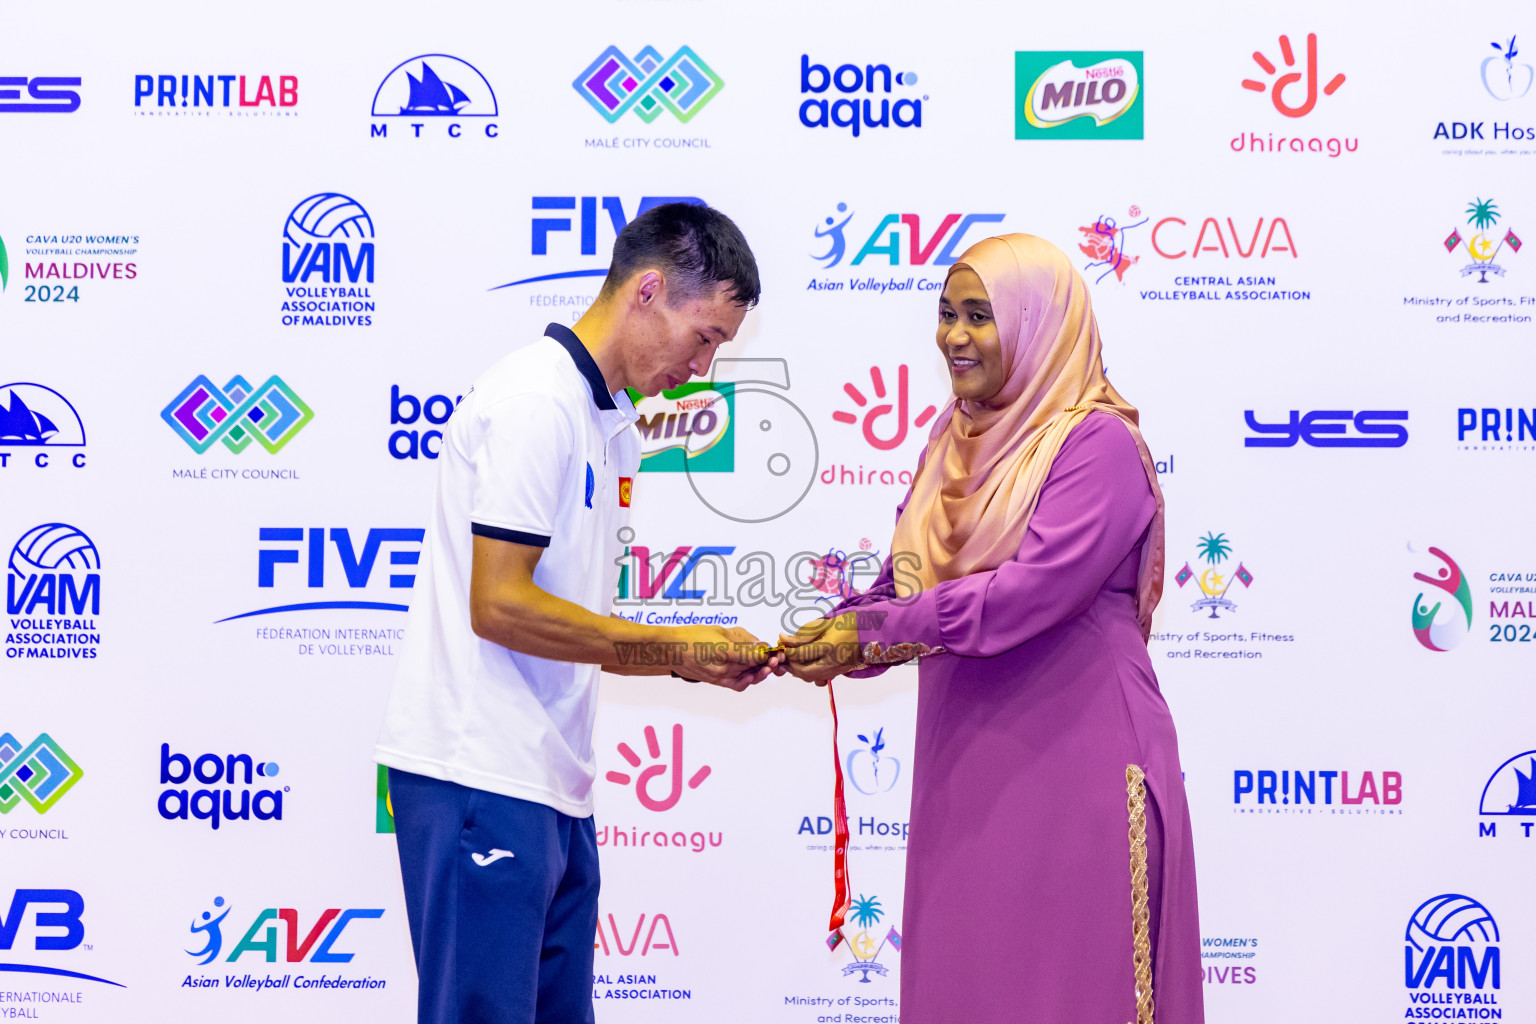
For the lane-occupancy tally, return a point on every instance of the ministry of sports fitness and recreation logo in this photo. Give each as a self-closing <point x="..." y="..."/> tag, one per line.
<point x="328" y="258"/>
<point x="1442" y="617"/>
<point x="1451" y="944"/>
<point x="1510" y="792"/>
<point x="866" y="915"/>
<point x="205" y="95"/>
<point x="1214" y="572"/>
<point x="38" y="427"/>
<point x="1485" y="244"/>
<point x="1077" y="94"/>
<point x="648" y="85"/>
<point x="37" y="773"/>
<point x="1293" y="94"/>
<point x="438" y="93"/>
<point x="53" y="584"/>
<point x="1215" y="580"/>
<point x="237" y="414"/>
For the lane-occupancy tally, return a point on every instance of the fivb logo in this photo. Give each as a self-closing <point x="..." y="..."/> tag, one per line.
<point x="294" y="545"/>
<point x="648" y="85"/>
<point x="854" y="111"/>
<point x="54" y="930"/>
<point x="34" y="418"/>
<point x="315" y="945"/>
<point x="1452" y="940"/>
<point x="39" y="773"/>
<point x="587" y="228"/>
<point x="237" y="414"/>
<point x="232" y="774"/>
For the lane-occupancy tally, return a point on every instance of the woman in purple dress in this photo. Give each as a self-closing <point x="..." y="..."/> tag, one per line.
<point x="1050" y="875"/>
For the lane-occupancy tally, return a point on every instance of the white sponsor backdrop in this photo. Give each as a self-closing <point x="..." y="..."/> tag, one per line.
<point x="159" y="230"/>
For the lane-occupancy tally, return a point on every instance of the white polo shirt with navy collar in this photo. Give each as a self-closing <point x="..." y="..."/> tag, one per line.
<point x="538" y="453"/>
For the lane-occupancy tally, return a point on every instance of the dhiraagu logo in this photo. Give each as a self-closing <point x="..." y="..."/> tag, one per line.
<point x="688" y="429"/>
<point x="1077" y="94"/>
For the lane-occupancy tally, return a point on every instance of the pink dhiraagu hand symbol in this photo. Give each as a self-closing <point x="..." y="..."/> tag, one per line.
<point x="642" y="784"/>
<point x="878" y="381"/>
<point x="1292" y="77"/>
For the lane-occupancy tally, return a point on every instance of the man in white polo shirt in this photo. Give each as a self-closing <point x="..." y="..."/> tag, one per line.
<point x="488" y="732"/>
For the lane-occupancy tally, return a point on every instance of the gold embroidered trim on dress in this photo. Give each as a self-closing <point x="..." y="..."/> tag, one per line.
<point x="876" y="653"/>
<point x="1141" y="944"/>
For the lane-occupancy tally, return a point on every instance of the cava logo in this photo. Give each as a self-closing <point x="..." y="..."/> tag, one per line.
<point x="687" y="428"/>
<point x="54" y="574"/>
<point x="649" y="85"/>
<point x="39" y="773"/>
<point x="1442" y="617"/>
<point x="1452" y="944"/>
<point x="1078" y="94"/>
<point x="435" y="92"/>
<point x="35" y="419"/>
<point x="237" y="414"/>
<point x="328" y="255"/>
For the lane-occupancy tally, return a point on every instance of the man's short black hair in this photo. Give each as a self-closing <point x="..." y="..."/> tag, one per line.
<point x="696" y="247"/>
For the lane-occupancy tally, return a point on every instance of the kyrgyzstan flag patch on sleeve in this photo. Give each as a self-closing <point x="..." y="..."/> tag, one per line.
<point x="626" y="485"/>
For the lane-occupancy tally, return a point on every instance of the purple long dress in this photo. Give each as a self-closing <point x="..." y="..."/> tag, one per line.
<point x="1018" y="894"/>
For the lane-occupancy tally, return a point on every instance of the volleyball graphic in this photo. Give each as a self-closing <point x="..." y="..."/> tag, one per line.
<point x="327" y="215"/>
<point x="53" y="546"/>
<point x="1451" y="918"/>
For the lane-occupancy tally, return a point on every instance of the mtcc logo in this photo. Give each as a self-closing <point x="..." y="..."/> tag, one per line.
<point x="1438" y="623"/>
<point x="1453" y="940"/>
<point x="648" y="85"/>
<point x="851" y="110"/>
<point x="1077" y="94"/>
<point x="431" y="90"/>
<point x="1308" y="79"/>
<point x="870" y="770"/>
<point x="237" y="414"/>
<point x="1483" y="218"/>
<point x="670" y="771"/>
<point x="1213" y="582"/>
<point x="33" y="418"/>
<point x="1510" y="792"/>
<point x="314" y="944"/>
<point x="39" y="773"/>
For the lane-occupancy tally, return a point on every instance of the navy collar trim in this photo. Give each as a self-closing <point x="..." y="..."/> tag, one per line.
<point x="601" y="396"/>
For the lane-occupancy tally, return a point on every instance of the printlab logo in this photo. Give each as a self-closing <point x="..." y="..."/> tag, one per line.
<point x="1077" y="94"/>
<point x="688" y="429"/>
<point x="328" y="238"/>
<point x="1214" y="582"/>
<point x="1330" y="428"/>
<point x="649" y="85"/>
<point x="1502" y="77"/>
<point x="297" y="546"/>
<point x="1510" y="793"/>
<point x="870" y="769"/>
<point x="54" y="571"/>
<point x="433" y="91"/>
<point x="39" y="773"/>
<point x="1486" y="423"/>
<point x="202" y="95"/>
<point x="1451" y="941"/>
<point x="854" y="106"/>
<point x="314" y="945"/>
<point x="1254" y="791"/>
<point x="1110" y="245"/>
<point x="1442" y="620"/>
<point x="1483" y="218"/>
<point x="220" y="781"/>
<point x="43" y="905"/>
<point x="35" y="421"/>
<point x="670" y="772"/>
<point x="542" y="227"/>
<point x="237" y="414"/>
<point x="405" y="410"/>
<point x="885" y="240"/>
<point x="865" y="914"/>
<point x="46" y="94"/>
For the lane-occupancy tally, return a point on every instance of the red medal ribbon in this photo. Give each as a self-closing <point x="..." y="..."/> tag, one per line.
<point x="840" y="897"/>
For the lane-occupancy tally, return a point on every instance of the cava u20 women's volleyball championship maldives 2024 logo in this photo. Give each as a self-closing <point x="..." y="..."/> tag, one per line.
<point x="1441" y="621"/>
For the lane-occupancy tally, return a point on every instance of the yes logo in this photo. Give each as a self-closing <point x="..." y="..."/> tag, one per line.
<point x="1082" y="94"/>
<point x="870" y="769"/>
<point x="899" y="409"/>
<point x="1307" y="78"/>
<point x="1437" y="624"/>
<point x="671" y="773"/>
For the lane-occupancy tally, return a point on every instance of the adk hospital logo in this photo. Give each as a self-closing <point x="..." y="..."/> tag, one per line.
<point x="39" y="428"/>
<point x="328" y="263"/>
<point x="53" y="594"/>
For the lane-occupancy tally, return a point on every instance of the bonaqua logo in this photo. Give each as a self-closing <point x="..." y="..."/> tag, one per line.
<point x="39" y="773"/>
<point x="649" y="85"/>
<point x="406" y="410"/>
<point x="863" y="94"/>
<point x="1438" y="624"/>
<point x="223" y="781"/>
<point x="237" y="414"/>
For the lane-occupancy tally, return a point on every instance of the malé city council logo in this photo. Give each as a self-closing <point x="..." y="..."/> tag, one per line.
<point x="39" y="773"/>
<point x="237" y="414"/>
<point x="1483" y="218"/>
<point x="649" y="85"/>
<point x="1077" y="94"/>
<point x="1439" y="624"/>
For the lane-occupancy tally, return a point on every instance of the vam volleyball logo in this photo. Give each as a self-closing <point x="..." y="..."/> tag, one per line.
<point x="1077" y="94"/>
<point x="1452" y="942"/>
<point x="1442" y="617"/>
<point x="328" y="262"/>
<point x="53" y="583"/>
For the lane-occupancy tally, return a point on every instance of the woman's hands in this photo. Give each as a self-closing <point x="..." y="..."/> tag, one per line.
<point x="823" y="649"/>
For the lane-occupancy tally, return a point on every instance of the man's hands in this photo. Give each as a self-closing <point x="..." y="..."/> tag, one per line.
<point x="823" y="648"/>
<point x="732" y="658"/>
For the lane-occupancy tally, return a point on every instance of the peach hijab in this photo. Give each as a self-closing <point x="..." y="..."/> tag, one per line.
<point x="981" y="478"/>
